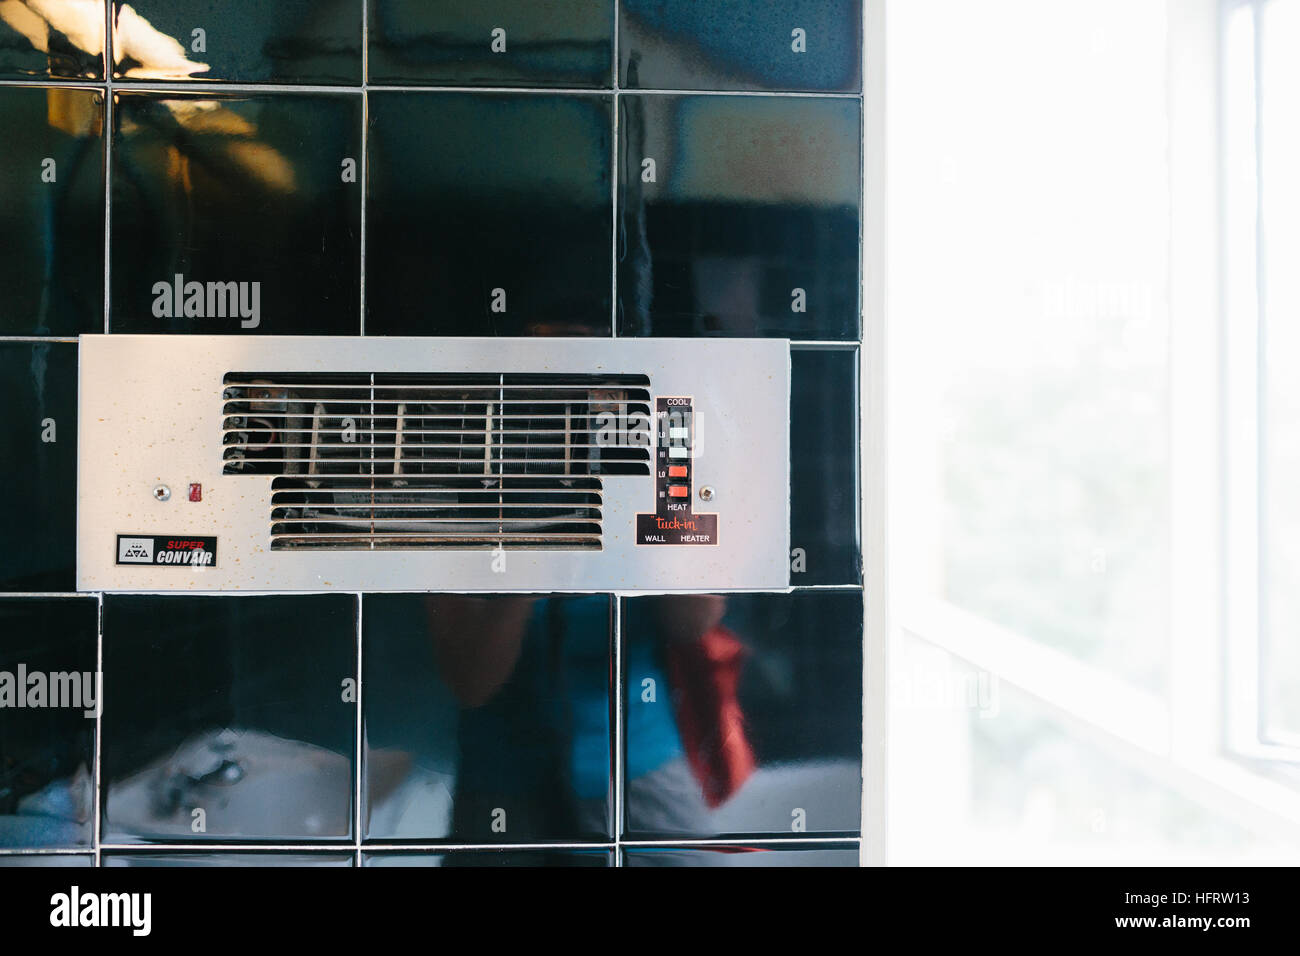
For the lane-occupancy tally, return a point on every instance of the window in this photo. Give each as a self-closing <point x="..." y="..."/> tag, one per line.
<point x="1081" y="305"/>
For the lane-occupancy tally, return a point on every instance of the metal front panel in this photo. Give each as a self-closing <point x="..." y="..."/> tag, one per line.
<point x="150" y="415"/>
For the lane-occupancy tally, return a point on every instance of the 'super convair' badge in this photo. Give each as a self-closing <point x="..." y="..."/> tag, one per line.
<point x="191" y="551"/>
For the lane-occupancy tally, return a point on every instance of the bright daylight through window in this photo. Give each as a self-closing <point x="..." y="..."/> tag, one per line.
<point x="1090" y="524"/>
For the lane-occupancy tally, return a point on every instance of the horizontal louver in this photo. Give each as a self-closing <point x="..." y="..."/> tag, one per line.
<point x="415" y="461"/>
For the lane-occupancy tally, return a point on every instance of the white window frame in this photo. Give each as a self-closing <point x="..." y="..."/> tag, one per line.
<point x="1244" y="384"/>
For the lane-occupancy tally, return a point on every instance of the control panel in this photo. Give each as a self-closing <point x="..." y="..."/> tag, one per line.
<point x="675" y="520"/>
<point x="382" y="463"/>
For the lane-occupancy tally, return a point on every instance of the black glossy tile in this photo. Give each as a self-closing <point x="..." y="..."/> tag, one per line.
<point x="236" y="859"/>
<point x="739" y="216"/>
<point x="743" y="714"/>
<point x="487" y="719"/>
<point x="52" y="40"/>
<point x="823" y="467"/>
<point x="490" y="858"/>
<point x="238" y="707"/>
<point x="541" y="43"/>
<point x="489" y="214"/>
<point x="47" y="859"/>
<point x="255" y="190"/>
<point x="238" y="41"/>
<point x="38" y="444"/>
<point x="52" y="216"/>
<point x="801" y="855"/>
<point x="48" y="696"/>
<point x="797" y="45"/>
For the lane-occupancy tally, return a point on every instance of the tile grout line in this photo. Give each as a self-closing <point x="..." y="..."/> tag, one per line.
<point x="845" y="841"/>
<point x="806" y="345"/>
<point x="96" y="836"/>
<point x="358" y="749"/>
<point x="796" y="589"/>
<point x="38" y="338"/>
<point x="96" y="829"/>
<point x="619" y="793"/>
<point x="417" y="846"/>
<point x="339" y="848"/>
<point x="198" y="88"/>
<point x="108" y="164"/>
<point x="616" y="122"/>
<point x="365" y="154"/>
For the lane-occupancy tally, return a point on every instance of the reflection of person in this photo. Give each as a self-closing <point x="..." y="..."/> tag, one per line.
<point x="531" y="675"/>
<point x="47" y="23"/>
<point x="45" y="799"/>
<point x="690" y="757"/>
<point x="150" y="55"/>
<point x="527" y="680"/>
<point x="527" y="662"/>
<point x="662" y="794"/>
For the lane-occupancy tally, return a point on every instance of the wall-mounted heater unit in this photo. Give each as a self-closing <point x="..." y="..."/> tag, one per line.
<point x="275" y="463"/>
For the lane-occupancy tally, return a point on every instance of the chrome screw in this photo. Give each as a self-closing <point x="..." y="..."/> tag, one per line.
<point x="162" y="492"/>
<point x="706" y="493"/>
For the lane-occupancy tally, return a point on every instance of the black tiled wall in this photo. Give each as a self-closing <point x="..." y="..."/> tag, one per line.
<point x="812" y="45"/>
<point x="401" y="167"/>
<point x="542" y="43"/>
<point x="47" y="752"/>
<point x="238" y="187"/>
<point x="248" y="718"/>
<point x="466" y="194"/>
<point x="738" y="216"/>
<point x="238" y="41"/>
<point x="38" y="452"/>
<point x="52" y="181"/>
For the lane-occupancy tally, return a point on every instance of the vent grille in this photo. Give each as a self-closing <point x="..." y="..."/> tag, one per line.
<point x="364" y="461"/>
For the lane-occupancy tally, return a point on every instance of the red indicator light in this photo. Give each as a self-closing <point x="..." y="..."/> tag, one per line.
<point x="196" y="491"/>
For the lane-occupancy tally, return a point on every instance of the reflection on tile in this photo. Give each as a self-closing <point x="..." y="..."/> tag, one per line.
<point x="739" y="216"/>
<point x="48" y="696"/>
<point x="487" y="718"/>
<point x="38" y="443"/>
<point x="52" y="216"/>
<point x="51" y="40"/>
<point x="236" y="213"/>
<point x="238" y="41"/>
<point x="798" y="45"/>
<point x="47" y="859"/>
<point x="238" y="859"/>
<point x="823" y="467"/>
<point x="505" y="858"/>
<point x="489" y="214"/>
<point x="228" y="718"/>
<point x="541" y="43"/>
<point x="794" y="855"/>
<point x="743" y="714"/>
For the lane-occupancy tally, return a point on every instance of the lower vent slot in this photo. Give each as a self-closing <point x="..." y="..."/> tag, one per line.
<point x="387" y="513"/>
